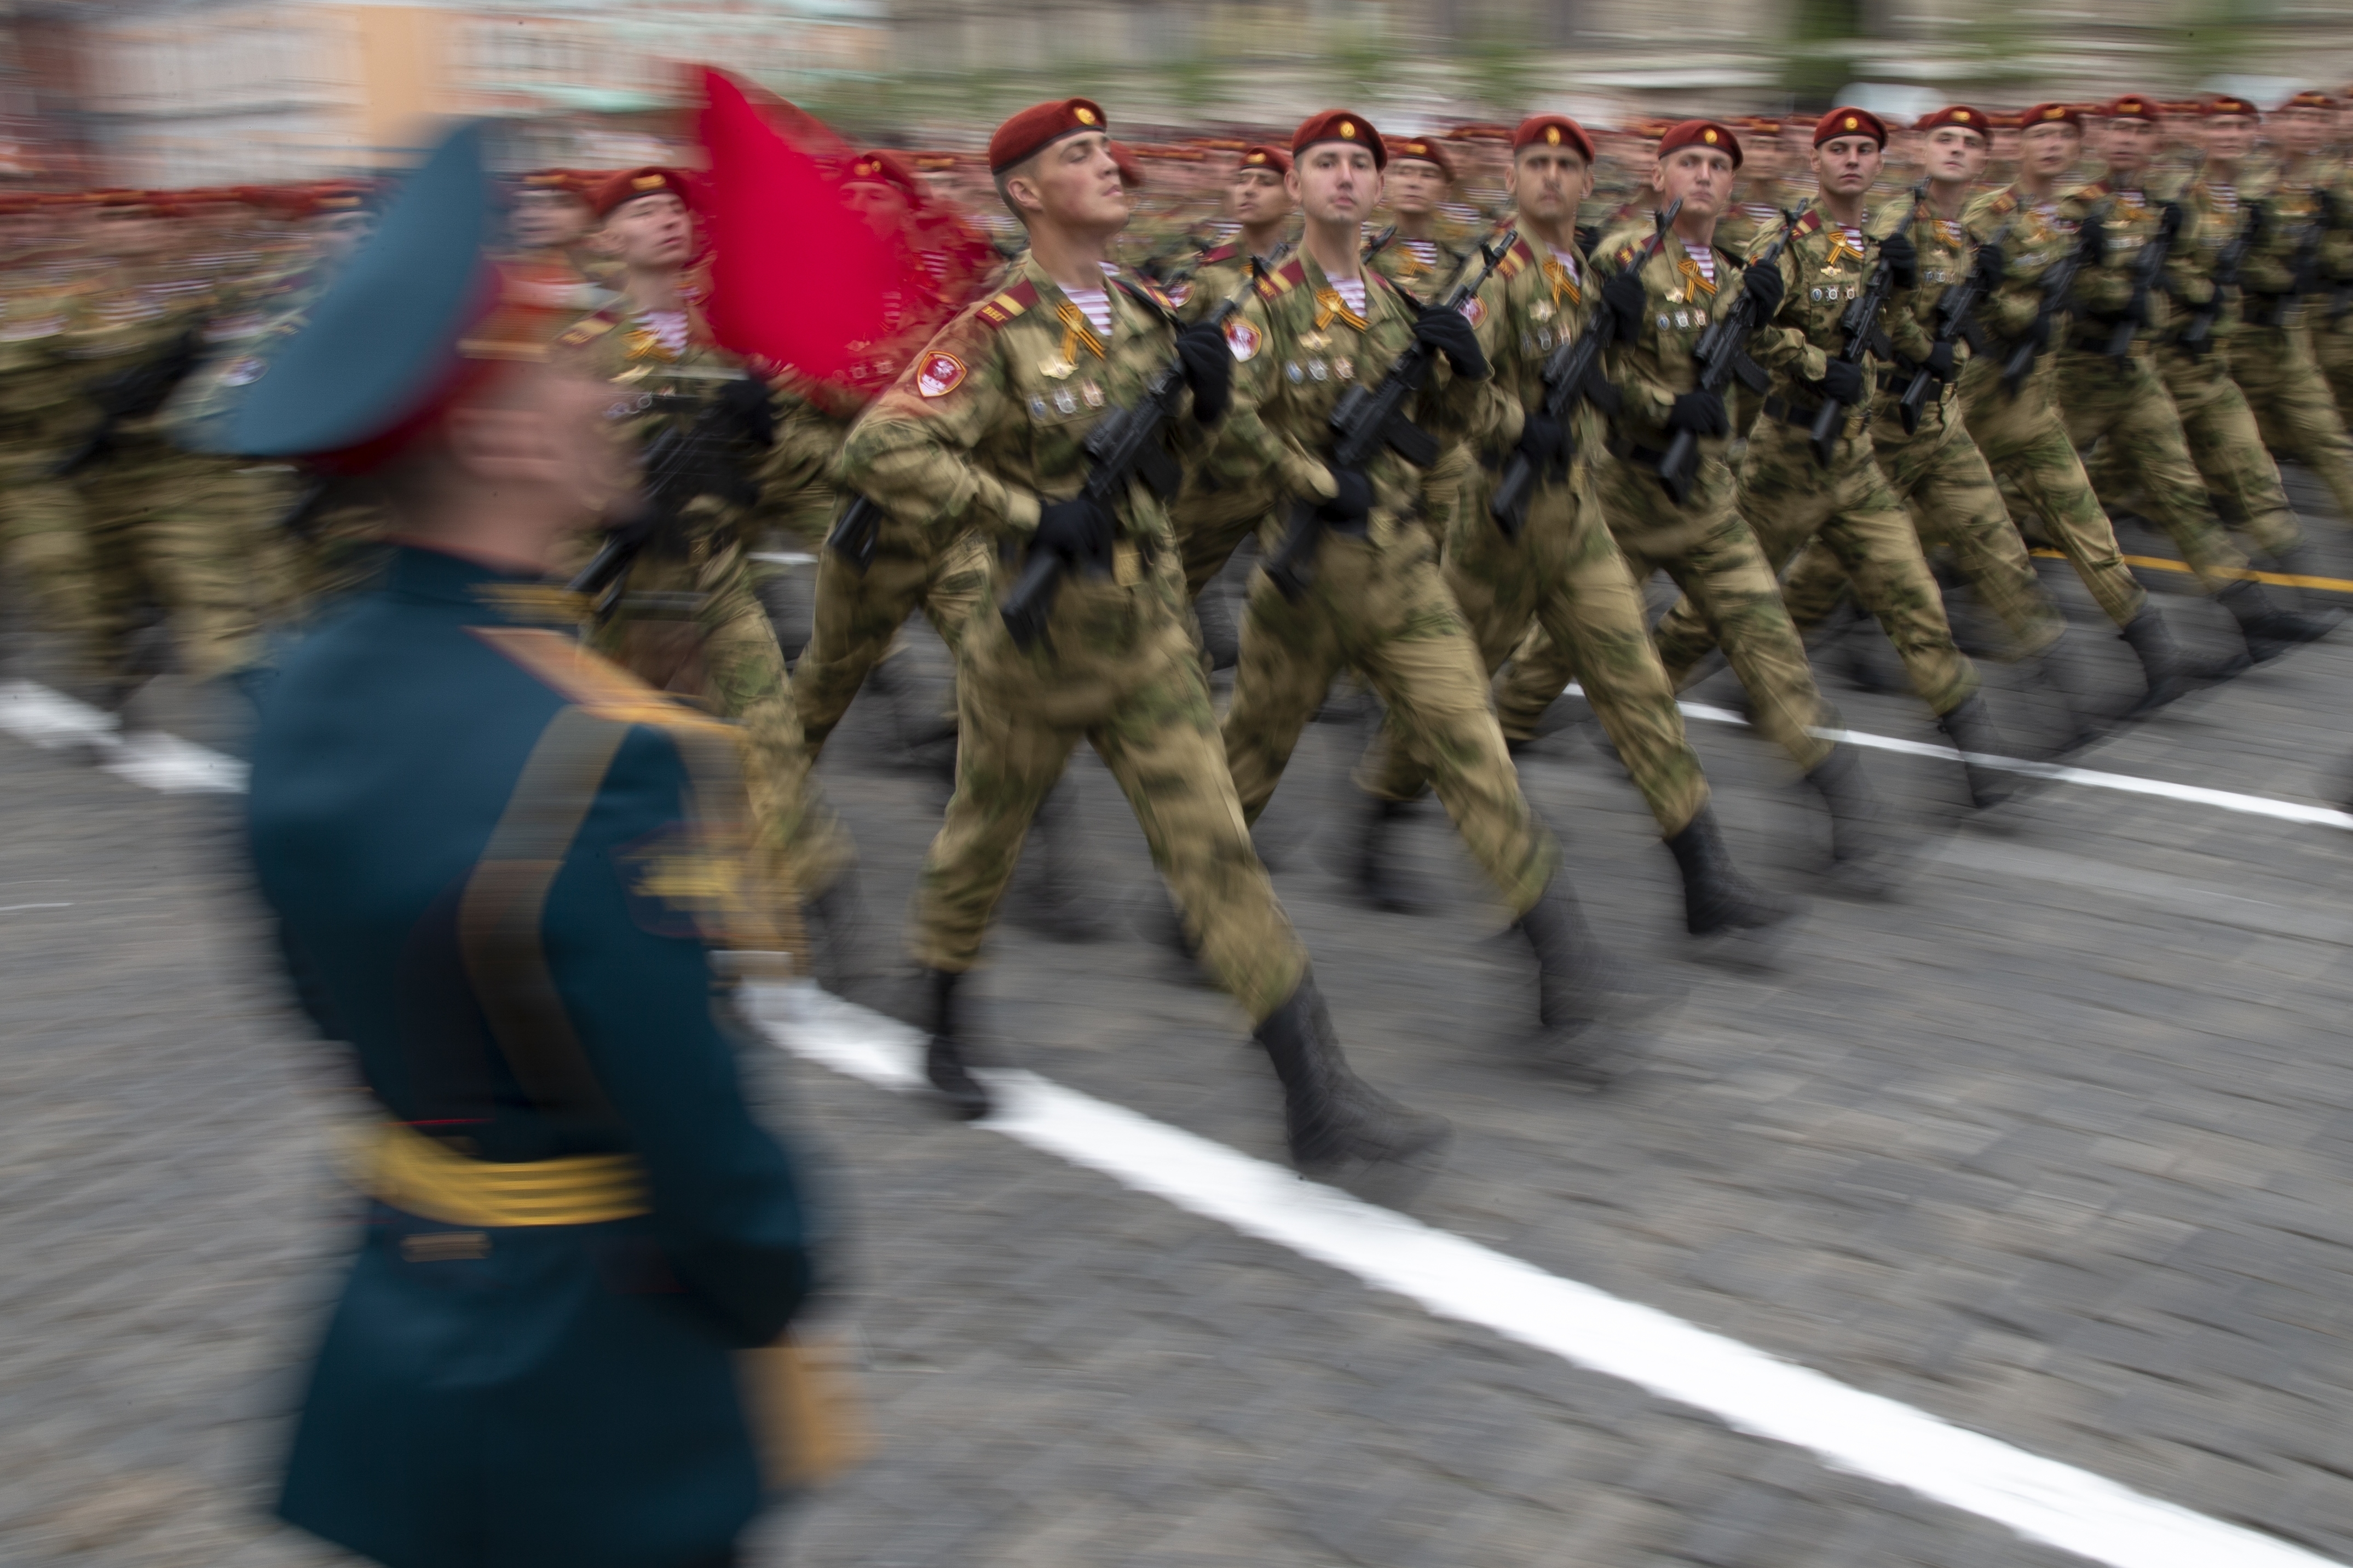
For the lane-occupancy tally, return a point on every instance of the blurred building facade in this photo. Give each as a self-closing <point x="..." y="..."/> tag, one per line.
<point x="177" y="92"/>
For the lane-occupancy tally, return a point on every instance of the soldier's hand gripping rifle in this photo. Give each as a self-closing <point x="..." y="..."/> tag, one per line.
<point x="134" y="394"/>
<point x="1125" y="446"/>
<point x="1572" y="377"/>
<point x="1955" y="323"/>
<point x="2149" y="277"/>
<point x="1723" y="353"/>
<point x="1865" y="336"/>
<point x="701" y="458"/>
<point x="2058" y="288"/>
<point x="1367" y="418"/>
<point x="2197" y="334"/>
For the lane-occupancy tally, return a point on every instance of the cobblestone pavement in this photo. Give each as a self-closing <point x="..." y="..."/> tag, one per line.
<point x="2055" y="1148"/>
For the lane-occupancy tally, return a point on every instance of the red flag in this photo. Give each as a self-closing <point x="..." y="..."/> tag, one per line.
<point x="797" y="279"/>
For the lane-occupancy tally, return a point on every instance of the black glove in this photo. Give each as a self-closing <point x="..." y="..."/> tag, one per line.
<point x="1902" y="259"/>
<point x="1843" y="379"/>
<point x="1450" y="333"/>
<point x="1625" y="295"/>
<point x="1078" y="530"/>
<point x="751" y="410"/>
<point x="1766" y="286"/>
<point x="1351" y="506"/>
<point x="2091" y="242"/>
<point x="1588" y="237"/>
<point x="2171" y="218"/>
<point x="1700" y="411"/>
<point x="1992" y="262"/>
<point x="1542" y="441"/>
<point x="1208" y="370"/>
<point x="1940" y="363"/>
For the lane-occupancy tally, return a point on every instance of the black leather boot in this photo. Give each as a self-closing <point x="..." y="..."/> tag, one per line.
<point x="1376" y="880"/>
<point x="1056" y="893"/>
<point x="2171" y="674"/>
<point x="2270" y="630"/>
<point x="1716" y="896"/>
<point x="1865" y="853"/>
<point x="945" y="1062"/>
<point x="1332" y="1117"/>
<point x="2051" y="672"/>
<point x="1971" y="728"/>
<point x="1582" y="1001"/>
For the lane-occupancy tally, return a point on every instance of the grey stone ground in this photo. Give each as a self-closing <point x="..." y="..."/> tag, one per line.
<point x="2056" y="1147"/>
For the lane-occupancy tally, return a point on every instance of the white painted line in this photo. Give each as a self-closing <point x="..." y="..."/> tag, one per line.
<point x="784" y="557"/>
<point x="2226" y="800"/>
<point x="2042" y="1500"/>
<point x="12" y="909"/>
<point x="150" y="757"/>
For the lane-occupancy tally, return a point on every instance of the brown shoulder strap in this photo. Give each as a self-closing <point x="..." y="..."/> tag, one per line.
<point x="499" y="918"/>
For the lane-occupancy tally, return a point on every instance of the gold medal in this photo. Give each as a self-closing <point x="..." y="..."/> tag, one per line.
<point x="1315" y="339"/>
<point x="1541" y="311"/>
<point x="1055" y="368"/>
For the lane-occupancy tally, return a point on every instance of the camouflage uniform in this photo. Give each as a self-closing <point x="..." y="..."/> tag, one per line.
<point x="1941" y="475"/>
<point x="1788" y="497"/>
<point x="1702" y="544"/>
<point x="688" y="619"/>
<point x="2021" y="435"/>
<point x="46" y="537"/>
<point x="985" y="429"/>
<point x="1377" y="603"/>
<point x="2270" y="353"/>
<point x="1222" y="501"/>
<point x="1562" y="572"/>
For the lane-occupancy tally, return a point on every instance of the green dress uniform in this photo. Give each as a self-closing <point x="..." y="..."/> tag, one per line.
<point x="1788" y="498"/>
<point x="2270" y="353"/>
<point x="500" y="867"/>
<point x="688" y="617"/>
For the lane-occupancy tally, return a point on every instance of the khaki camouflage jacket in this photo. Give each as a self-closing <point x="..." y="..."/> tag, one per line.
<point x="2132" y="218"/>
<point x="653" y="385"/>
<point x="989" y="422"/>
<point x="1945" y="256"/>
<point x="1215" y="276"/>
<point x="1423" y="268"/>
<point x="1298" y="348"/>
<point x="1824" y="272"/>
<point x="1535" y="302"/>
<point x="2310" y="211"/>
<point x="2031" y="239"/>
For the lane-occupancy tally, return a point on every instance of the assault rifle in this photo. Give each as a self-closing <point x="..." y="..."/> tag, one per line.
<point x="2197" y="334"/>
<point x="1864" y="337"/>
<point x="1366" y="419"/>
<point x="702" y="458"/>
<point x="134" y="394"/>
<point x="856" y="533"/>
<point x="2058" y="286"/>
<point x="1572" y="376"/>
<point x="1956" y="323"/>
<point x="1723" y="353"/>
<point x="2148" y="275"/>
<point x="1125" y="446"/>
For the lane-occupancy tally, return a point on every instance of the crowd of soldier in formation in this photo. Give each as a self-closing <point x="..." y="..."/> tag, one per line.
<point x="1464" y="396"/>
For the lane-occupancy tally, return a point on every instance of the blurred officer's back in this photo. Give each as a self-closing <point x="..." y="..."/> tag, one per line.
<point x="501" y="867"/>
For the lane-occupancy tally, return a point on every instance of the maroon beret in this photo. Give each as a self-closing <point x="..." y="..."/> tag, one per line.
<point x="1340" y="125"/>
<point x="651" y="181"/>
<point x="1424" y="149"/>
<point x="1259" y="157"/>
<point x="1959" y="114"/>
<point x="2051" y="114"/>
<point x="1029" y="131"/>
<point x="1850" y="122"/>
<point x="1552" y="131"/>
<point x="1700" y="133"/>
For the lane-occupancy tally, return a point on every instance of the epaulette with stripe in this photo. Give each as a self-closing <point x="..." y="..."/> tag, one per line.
<point x="1012" y="302"/>
<point x="593" y="683"/>
<point x="1219" y="255"/>
<point x="588" y="329"/>
<point x="1517" y="259"/>
<point x="1280" y="280"/>
<point x="1808" y="222"/>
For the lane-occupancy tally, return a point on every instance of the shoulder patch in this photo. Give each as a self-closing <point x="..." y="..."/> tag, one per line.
<point x="1008" y="305"/>
<point x="592" y="682"/>
<point x="939" y="374"/>
<point x="1243" y="338"/>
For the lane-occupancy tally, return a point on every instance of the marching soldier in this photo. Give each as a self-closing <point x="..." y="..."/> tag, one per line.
<point x="2016" y="422"/>
<point x="686" y="616"/>
<point x="987" y="431"/>
<point x="1414" y="252"/>
<point x="506" y="875"/>
<point x="1559" y="568"/>
<point x="1352" y="584"/>
<point x="1664" y="296"/>
<point x="1935" y="467"/>
<point x="1787" y="494"/>
<point x="2308" y="227"/>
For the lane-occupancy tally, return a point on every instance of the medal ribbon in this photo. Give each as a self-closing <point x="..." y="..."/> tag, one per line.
<point x="1077" y="333"/>
<point x="1562" y="282"/>
<point x="1699" y="281"/>
<point x="1331" y="307"/>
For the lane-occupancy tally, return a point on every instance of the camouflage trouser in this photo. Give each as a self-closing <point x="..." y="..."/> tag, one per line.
<point x="690" y="623"/>
<point x="2241" y="479"/>
<point x="2275" y="367"/>
<point x="2332" y="349"/>
<point x="2124" y="407"/>
<point x="1566" y="573"/>
<point x="1154" y="727"/>
<point x="1939" y="474"/>
<point x="1708" y="552"/>
<point x="1210" y="525"/>
<point x="1789" y="499"/>
<point x="186" y="530"/>
<point x="341" y="550"/>
<point x="2026" y="445"/>
<point x="858" y="616"/>
<point x="47" y="538"/>
<point x="1379" y="606"/>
